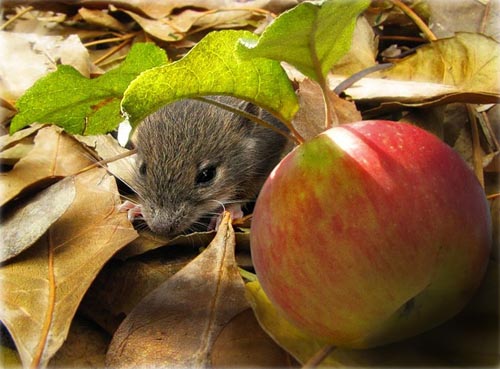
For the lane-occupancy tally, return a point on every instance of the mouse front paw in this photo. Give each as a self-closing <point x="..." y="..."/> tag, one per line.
<point x="133" y="210"/>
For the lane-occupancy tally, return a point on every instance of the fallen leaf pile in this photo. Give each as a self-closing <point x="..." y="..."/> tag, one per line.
<point x="80" y="287"/>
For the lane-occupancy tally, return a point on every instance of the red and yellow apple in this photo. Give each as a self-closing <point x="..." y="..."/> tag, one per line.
<point x="369" y="233"/>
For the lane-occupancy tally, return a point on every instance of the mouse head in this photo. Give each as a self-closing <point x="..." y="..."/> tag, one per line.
<point x="192" y="158"/>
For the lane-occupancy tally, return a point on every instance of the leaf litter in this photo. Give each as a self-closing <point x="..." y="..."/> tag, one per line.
<point x="372" y="95"/>
<point x="145" y="336"/>
<point x="43" y="286"/>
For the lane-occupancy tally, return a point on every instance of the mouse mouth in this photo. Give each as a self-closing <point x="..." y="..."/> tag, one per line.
<point x="215" y="218"/>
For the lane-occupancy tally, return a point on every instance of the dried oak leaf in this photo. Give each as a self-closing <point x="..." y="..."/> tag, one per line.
<point x="177" y="323"/>
<point x="108" y="148"/>
<point x="101" y="19"/>
<point x="43" y="286"/>
<point x="120" y="286"/>
<point x="468" y="61"/>
<point x="54" y="155"/>
<point x="85" y="347"/>
<point x="310" y="119"/>
<point x="8" y="141"/>
<point x="243" y="343"/>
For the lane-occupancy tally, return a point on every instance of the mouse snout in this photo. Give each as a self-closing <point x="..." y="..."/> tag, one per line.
<point x="164" y="222"/>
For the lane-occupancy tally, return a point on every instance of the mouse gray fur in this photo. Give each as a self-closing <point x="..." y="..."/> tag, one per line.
<point x="193" y="156"/>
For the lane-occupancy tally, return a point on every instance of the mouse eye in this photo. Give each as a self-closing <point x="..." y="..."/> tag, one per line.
<point x="205" y="175"/>
<point x="142" y="169"/>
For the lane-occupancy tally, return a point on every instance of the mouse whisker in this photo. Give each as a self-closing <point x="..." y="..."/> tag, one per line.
<point x="220" y="203"/>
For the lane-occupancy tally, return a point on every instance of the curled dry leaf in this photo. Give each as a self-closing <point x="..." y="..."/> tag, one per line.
<point x="363" y="50"/>
<point x="85" y="347"/>
<point x="25" y="224"/>
<point x="107" y="147"/>
<point x="148" y="241"/>
<point x="101" y="19"/>
<point x="34" y="57"/>
<point x="42" y="287"/>
<point x="156" y="28"/>
<point x="468" y="61"/>
<point x="120" y="286"/>
<point x="468" y="16"/>
<point x="310" y="119"/>
<point x="14" y="154"/>
<point x="243" y="343"/>
<point x="159" y="10"/>
<point x="8" y="141"/>
<point x="177" y="323"/>
<point x="55" y="154"/>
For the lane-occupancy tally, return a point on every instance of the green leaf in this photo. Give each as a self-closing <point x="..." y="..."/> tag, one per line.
<point x="213" y="68"/>
<point x="81" y="105"/>
<point x="312" y="36"/>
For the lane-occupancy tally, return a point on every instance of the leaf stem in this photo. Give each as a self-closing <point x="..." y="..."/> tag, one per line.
<point x="15" y="17"/>
<point x="331" y="118"/>
<point x="47" y="322"/>
<point x="493" y="196"/>
<point x="416" y="19"/>
<point x="476" y="146"/>
<point x="319" y="356"/>
<point x="295" y="136"/>
<point x="345" y="84"/>
<point x="101" y="163"/>
<point x="126" y="40"/>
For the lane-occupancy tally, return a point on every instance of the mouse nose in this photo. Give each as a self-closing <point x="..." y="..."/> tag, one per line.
<point x="163" y="227"/>
<point x="161" y="222"/>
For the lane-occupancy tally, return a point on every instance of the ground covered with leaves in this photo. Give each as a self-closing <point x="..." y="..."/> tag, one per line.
<point x="81" y="287"/>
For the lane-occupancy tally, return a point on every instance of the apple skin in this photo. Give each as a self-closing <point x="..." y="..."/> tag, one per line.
<point x="369" y="233"/>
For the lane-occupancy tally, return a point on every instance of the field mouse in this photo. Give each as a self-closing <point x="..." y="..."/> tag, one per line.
<point x="194" y="159"/>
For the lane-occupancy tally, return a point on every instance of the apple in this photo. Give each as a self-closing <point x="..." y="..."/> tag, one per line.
<point x="369" y="233"/>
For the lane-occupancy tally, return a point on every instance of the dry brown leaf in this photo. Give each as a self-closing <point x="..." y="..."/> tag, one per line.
<point x="467" y="17"/>
<point x="225" y="18"/>
<point x="85" y="347"/>
<point x="25" y="224"/>
<point x="8" y="141"/>
<point x="14" y="154"/>
<point x="186" y="19"/>
<point x="158" y="10"/>
<point x="156" y="27"/>
<point x="409" y="92"/>
<point x="42" y="287"/>
<point x="107" y="147"/>
<point x="468" y="61"/>
<point x="310" y="119"/>
<point x="101" y="19"/>
<point x="35" y="56"/>
<point x="243" y="343"/>
<point x="120" y="286"/>
<point x="177" y="323"/>
<point x="55" y="154"/>
<point x="363" y="51"/>
<point x="9" y="359"/>
<point x="149" y="241"/>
